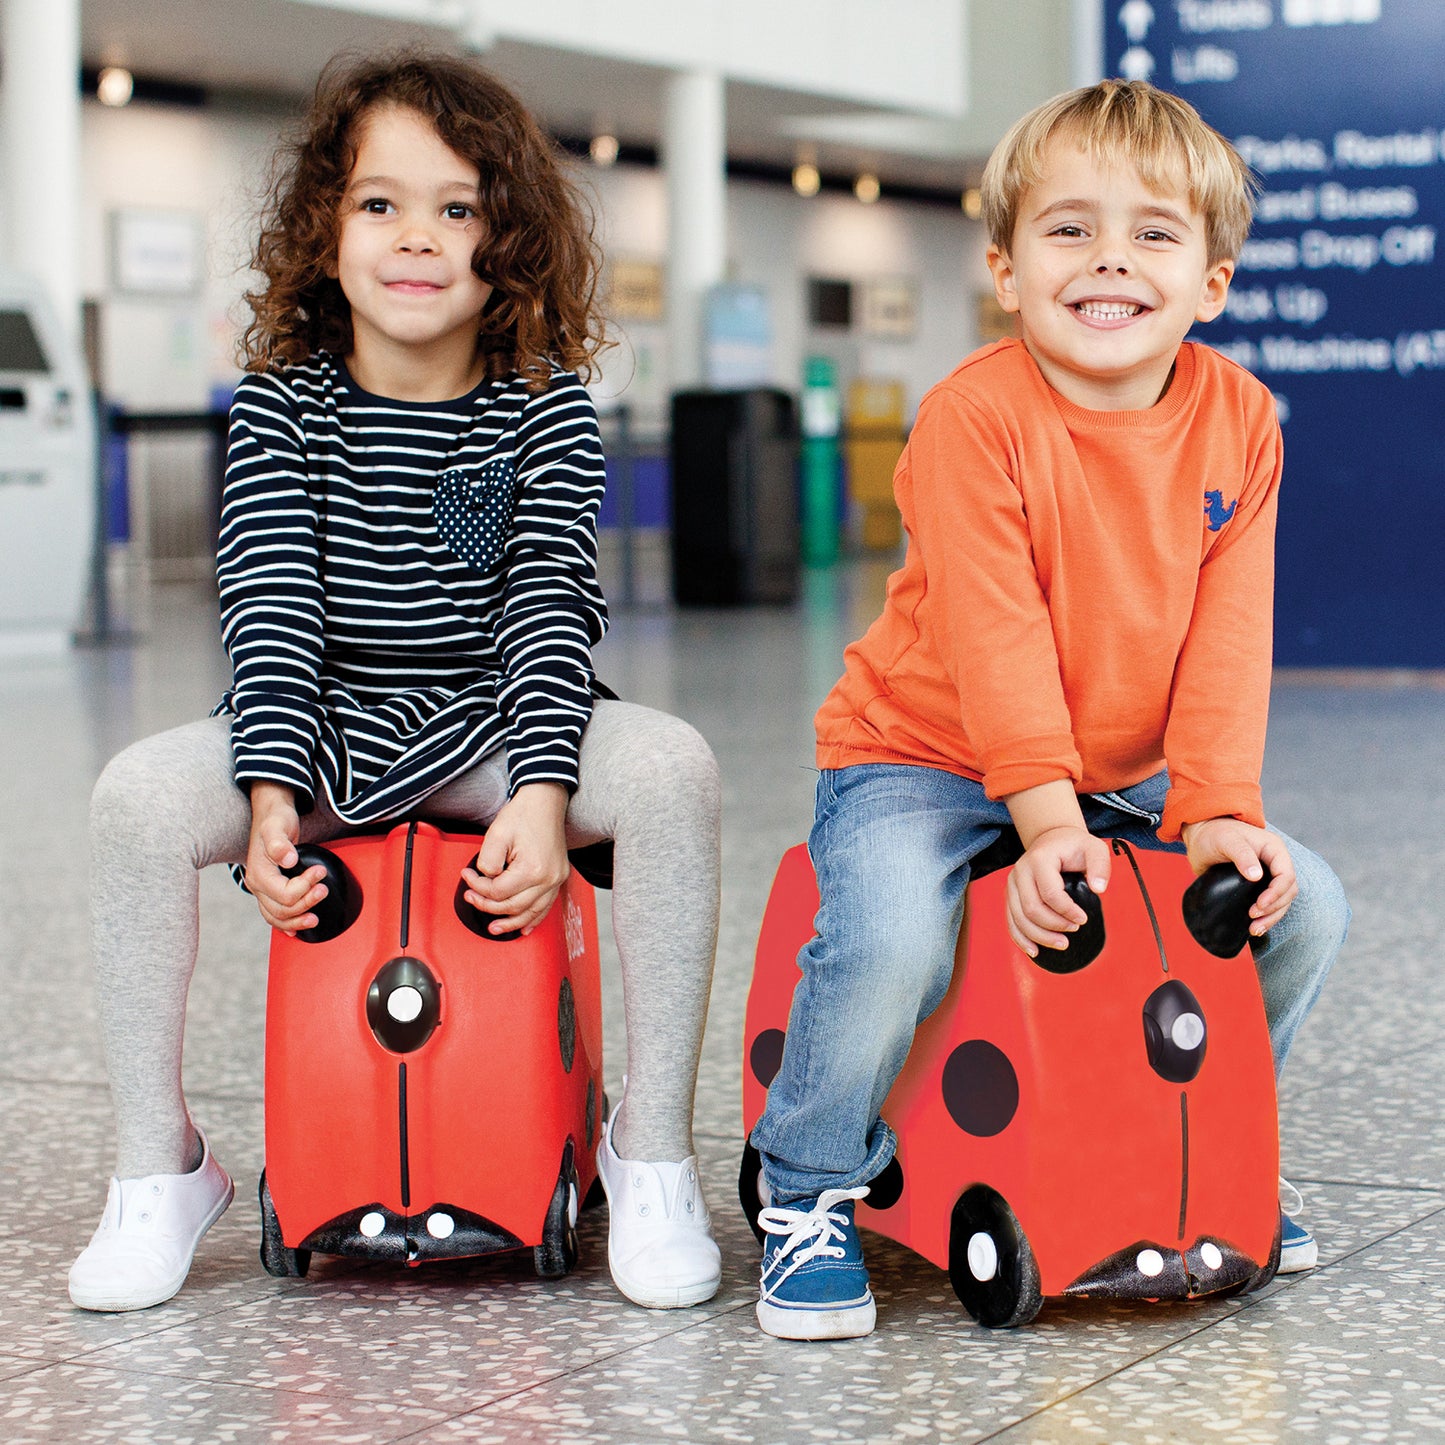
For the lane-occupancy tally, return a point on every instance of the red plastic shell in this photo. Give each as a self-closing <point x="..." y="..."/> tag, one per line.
<point x="1101" y="1152"/>
<point x="489" y="1104"/>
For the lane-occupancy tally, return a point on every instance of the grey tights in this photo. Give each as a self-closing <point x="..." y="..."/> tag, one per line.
<point x="167" y="807"/>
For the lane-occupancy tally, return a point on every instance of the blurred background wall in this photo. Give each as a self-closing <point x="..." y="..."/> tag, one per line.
<point x="786" y="196"/>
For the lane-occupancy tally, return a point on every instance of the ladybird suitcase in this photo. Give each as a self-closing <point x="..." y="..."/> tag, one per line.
<point x="1081" y="1128"/>
<point x="431" y="1092"/>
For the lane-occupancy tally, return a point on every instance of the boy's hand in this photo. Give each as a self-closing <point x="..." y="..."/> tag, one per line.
<point x="1051" y="827"/>
<point x="523" y="861"/>
<point x="285" y="903"/>
<point x="1252" y="850"/>
<point x="1040" y="912"/>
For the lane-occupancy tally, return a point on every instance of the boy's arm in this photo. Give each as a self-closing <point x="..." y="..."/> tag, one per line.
<point x="991" y="623"/>
<point x="1214" y="738"/>
<point x="1051" y="827"/>
<point x="1253" y="851"/>
<point x="966" y="515"/>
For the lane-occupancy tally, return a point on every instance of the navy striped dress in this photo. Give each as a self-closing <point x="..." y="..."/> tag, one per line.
<point x="406" y="586"/>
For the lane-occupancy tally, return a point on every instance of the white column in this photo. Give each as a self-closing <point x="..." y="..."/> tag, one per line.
<point x="40" y="162"/>
<point x="1087" y="19"/>
<point x="694" y="156"/>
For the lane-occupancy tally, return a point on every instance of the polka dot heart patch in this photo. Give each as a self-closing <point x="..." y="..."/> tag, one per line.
<point x="473" y="511"/>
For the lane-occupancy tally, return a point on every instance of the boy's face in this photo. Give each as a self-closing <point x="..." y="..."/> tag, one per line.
<point x="1107" y="277"/>
<point x="409" y="226"/>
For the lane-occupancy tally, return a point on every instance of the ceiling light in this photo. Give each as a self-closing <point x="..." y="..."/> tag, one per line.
<point x="973" y="203"/>
<point x="603" y="149"/>
<point x="476" y="30"/>
<point x="114" y="86"/>
<point x="806" y="179"/>
<point x="866" y="188"/>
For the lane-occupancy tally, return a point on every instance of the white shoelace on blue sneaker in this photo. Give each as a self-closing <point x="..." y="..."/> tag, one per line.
<point x="821" y="1225"/>
<point x="1290" y="1199"/>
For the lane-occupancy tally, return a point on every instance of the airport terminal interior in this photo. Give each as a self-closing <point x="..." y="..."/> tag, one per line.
<point x="482" y="1350"/>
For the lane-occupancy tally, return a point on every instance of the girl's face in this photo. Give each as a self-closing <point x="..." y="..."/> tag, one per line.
<point x="409" y="226"/>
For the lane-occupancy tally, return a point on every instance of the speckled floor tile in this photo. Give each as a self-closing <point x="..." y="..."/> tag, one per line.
<point x="1413" y="1257"/>
<point x="38" y="1322"/>
<point x="1378" y="1122"/>
<point x="12" y="1365"/>
<point x="1351" y="1222"/>
<point x="83" y="1405"/>
<point x="58" y="1143"/>
<point x="928" y="1373"/>
<point x="447" y="1336"/>
<point x="485" y="1352"/>
<point x="460" y="1337"/>
<point x="1344" y="1355"/>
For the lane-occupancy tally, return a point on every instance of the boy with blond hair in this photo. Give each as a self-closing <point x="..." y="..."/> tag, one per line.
<point x="1077" y="644"/>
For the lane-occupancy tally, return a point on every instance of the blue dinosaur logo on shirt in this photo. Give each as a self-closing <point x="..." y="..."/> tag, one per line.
<point x="1215" y="510"/>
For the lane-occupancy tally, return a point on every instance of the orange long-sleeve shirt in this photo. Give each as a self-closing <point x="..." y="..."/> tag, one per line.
<point x="1085" y="594"/>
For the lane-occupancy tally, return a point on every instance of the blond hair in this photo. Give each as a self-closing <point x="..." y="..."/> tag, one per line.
<point x="1162" y="135"/>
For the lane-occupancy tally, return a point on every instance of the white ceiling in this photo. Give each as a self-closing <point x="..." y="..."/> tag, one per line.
<point x="274" y="48"/>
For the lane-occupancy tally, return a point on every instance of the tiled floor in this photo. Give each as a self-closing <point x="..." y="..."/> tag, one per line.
<point x="485" y="1352"/>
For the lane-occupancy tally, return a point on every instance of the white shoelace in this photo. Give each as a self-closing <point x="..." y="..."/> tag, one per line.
<point x="1290" y="1199"/>
<point x="822" y="1224"/>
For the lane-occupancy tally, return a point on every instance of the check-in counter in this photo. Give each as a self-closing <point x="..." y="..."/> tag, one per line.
<point x="47" y="469"/>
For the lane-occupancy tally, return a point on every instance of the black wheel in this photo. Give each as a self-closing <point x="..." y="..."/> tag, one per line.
<point x="750" y="1178"/>
<point x="990" y="1263"/>
<point x="596" y="1194"/>
<point x="557" y="1253"/>
<point x="276" y="1258"/>
<point x="1264" y="1273"/>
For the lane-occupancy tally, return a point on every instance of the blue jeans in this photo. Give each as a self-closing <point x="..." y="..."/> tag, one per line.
<point x="892" y="845"/>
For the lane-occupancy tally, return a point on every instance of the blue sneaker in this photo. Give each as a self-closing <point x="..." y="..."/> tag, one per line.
<point x="1297" y="1248"/>
<point x="814" y="1283"/>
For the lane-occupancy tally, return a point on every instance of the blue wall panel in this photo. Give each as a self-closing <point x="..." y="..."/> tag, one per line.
<point x="1339" y="301"/>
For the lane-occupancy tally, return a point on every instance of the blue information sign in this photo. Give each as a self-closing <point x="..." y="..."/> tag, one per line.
<point x="1338" y="304"/>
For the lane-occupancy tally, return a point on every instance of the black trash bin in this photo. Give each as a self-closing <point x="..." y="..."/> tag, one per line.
<point x="734" y="497"/>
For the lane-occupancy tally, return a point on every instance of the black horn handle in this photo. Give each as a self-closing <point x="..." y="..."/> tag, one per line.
<point x="1086" y="942"/>
<point x="332" y="913"/>
<point x="1216" y="908"/>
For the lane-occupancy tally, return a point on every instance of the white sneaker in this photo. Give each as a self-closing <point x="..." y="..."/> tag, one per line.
<point x="659" y="1234"/>
<point x="1297" y="1248"/>
<point x="142" y="1249"/>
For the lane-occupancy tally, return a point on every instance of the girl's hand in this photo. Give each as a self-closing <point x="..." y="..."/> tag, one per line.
<point x="1252" y="850"/>
<point x="285" y="903"/>
<point x="523" y="861"/>
<point x="1040" y="912"/>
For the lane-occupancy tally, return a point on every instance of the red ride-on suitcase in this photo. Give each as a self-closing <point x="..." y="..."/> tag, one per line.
<point x="1098" y="1123"/>
<point x="431" y="1092"/>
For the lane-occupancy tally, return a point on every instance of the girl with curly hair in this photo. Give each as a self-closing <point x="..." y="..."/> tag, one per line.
<point x="409" y="600"/>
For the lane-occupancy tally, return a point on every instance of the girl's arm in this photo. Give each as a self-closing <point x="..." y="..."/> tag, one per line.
<point x="285" y="903"/>
<point x="552" y="615"/>
<point x="523" y="862"/>
<point x="272" y="608"/>
<point x="552" y="607"/>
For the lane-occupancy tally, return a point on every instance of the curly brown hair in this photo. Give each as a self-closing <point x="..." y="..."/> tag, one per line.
<point x="538" y="251"/>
